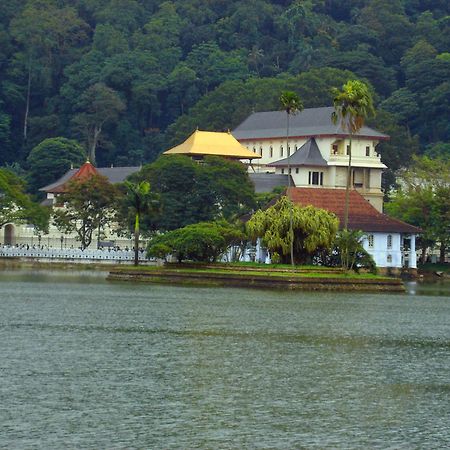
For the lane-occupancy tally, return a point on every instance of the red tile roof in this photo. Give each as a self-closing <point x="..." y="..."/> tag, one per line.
<point x="87" y="170"/>
<point x="362" y="215"/>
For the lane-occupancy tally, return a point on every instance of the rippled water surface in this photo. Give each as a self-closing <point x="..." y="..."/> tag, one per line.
<point x="96" y="365"/>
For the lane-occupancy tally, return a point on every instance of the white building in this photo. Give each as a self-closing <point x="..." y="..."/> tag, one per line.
<point x="318" y="151"/>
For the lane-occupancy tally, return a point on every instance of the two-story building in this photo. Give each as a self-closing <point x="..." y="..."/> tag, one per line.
<point x="317" y="151"/>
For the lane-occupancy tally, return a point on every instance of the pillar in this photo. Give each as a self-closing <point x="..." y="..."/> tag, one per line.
<point x="412" y="253"/>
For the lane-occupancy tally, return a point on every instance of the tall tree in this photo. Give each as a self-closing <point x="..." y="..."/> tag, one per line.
<point x="86" y="206"/>
<point x="137" y="201"/>
<point x="352" y="105"/>
<point x="100" y="105"/>
<point x="291" y="103"/>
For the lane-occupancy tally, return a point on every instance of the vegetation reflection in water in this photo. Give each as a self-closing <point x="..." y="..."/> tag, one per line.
<point x="87" y="364"/>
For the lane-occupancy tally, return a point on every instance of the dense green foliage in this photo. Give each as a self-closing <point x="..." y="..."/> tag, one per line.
<point x="423" y="199"/>
<point x="190" y="192"/>
<point x="16" y="206"/>
<point x="128" y="78"/>
<point x="88" y="206"/>
<point x="314" y="230"/>
<point x="204" y="241"/>
<point x="52" y="158"/>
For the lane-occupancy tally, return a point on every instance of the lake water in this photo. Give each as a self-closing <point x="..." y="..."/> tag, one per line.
<point x="87" y="364"/>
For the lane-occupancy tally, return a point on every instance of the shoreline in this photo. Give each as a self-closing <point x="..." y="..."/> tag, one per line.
<point x="312" y="281"/>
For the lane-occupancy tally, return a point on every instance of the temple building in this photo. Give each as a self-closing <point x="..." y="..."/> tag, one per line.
<point x="317" y="156"/>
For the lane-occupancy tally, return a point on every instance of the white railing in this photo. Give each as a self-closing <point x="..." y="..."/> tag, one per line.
<point x="73" y="253"/>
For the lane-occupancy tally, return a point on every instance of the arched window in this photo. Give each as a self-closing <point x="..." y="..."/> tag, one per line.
<point x="281" y="150"/>
<point x="389" y="241"/>
<point x="271" y="151"/>
<point x="370" y="240"/>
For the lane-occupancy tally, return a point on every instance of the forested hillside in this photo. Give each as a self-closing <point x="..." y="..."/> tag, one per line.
<point x="127" y="78"/>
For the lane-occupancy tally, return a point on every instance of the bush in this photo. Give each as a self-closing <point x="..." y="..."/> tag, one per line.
<point x="204" y="241"/>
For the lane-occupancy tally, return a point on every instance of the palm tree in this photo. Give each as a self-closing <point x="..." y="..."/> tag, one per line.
<point x="292" y="104"/>
<point x="138" y="200"/>
<point x="352" y="106"/>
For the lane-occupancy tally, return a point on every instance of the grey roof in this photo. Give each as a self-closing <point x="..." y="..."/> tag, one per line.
<point x="309" y="122"/>
<point x="307" y="155"/>
<point x="114" y="175"/>
<point x="267" y="182"/>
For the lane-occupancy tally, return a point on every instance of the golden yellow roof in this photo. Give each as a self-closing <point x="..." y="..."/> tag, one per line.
<point x="212" y="143"/>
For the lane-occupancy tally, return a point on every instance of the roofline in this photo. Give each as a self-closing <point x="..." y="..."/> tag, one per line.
<point x="355" y="136"/>
<point x="212" y="154"/>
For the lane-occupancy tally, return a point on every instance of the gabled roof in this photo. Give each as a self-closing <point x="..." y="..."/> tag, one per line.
<point x="267" y="182"/>
<point x="362" y="215"/>
<point x="307" y="155"/>
<point x="308" y="123"/>
<point x="202" y="143"/>
<point x="113" y="174"/>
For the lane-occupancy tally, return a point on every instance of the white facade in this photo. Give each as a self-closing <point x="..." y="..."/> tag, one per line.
<point x="366" y="163"/>
<point x="391" y="250"/>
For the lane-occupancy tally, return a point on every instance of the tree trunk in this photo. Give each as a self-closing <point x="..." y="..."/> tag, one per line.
<point x="291" y="212"/>
<point x="442" y="253"/>
<point x="27" y="107"/>
<point x="136" y="240"/>
<point x="347" y="189"/>
<point x="424" y="253"/>
<point x="97" y="131"/>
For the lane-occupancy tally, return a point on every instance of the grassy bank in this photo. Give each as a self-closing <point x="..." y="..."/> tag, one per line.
<point x="231" y="275"/>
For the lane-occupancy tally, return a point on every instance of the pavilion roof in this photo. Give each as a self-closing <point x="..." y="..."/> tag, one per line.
<point x="203" y="143"/>
<point x="307" y="155"/>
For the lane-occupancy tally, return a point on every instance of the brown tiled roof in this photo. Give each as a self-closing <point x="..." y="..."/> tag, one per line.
<point x="362" y="215"/>
<point x="114" y="175"/>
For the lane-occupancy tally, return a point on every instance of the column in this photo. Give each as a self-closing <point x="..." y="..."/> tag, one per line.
<point x="412" y="253"/>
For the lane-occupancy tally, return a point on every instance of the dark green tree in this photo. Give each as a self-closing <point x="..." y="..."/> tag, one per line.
<point x="51" y="159"/>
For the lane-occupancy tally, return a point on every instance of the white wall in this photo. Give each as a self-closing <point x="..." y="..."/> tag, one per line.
<point x="380" y="250"/>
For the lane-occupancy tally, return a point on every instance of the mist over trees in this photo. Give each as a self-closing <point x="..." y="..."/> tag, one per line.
<point x="128" y="78"/>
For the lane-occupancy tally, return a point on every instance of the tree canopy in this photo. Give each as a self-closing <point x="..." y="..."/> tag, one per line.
<point x="190" y="192"/>
<point x="423" y="199"/>
<point x="129" y="78"/>
<point x="314" y="229"/>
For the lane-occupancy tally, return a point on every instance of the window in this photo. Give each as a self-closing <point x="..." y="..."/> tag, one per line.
<point x="315" y="178"/>
<point x="260" y="150"/>
<point x="290" y="170"/>
<point x="348" y="149"/>
<point x="296" y="170"/>
<point x="389" y="241"/>
<point x="281" y="150"/>
<point x="370" y="240"/>
<point x="282" y="171"/>
<point x="335" y="149"/>
<point x="254" y="149"/>
<point x="271" y="151"/>
<point x="295" y="148"/>
<point x="389" y="258"/>
<point x="367" y="151"/>
<point x="289" y="150"/>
